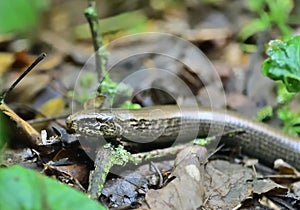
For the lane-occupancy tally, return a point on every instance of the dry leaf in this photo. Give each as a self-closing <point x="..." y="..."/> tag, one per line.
<point x="94" y="103"/>
<point x="51" y="108"/>
<point x="186" y="191"/>
<point x="27" y="133"/>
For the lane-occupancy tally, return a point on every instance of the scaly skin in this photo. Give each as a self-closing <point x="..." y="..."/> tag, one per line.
<point x="161" y="125"/>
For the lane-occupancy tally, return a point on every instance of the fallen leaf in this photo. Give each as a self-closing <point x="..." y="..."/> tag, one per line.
<point x="186" y="191"/>
<point x="26" y="132"/>
<point x="229" y="185"/>
<point x="70" y="173"/>
<point x="51" y="108"/>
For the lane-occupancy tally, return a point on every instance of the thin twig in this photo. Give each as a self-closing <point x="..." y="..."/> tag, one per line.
<point x="39" y="59"/>
<point x="161" y="179"/>
<point x="160" y="152"/>
<point x="47" y="119"/>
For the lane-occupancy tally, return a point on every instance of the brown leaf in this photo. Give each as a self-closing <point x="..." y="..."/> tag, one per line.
<point x="95" y="103"/>
<point x="28" y="134"/>
<point x="22" y="60"/>
<point x="229" y="185"/>
<point x="186" y="191"/>
<point x="70" y="173"/>
<point x="285" y="168"/>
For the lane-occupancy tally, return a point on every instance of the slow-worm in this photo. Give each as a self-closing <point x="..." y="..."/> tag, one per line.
<point x="164" y="125"/>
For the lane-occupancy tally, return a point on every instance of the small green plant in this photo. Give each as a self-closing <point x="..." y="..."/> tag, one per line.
<point x="107" y="86"/>
<point x="283" y="95"/>
<point x="271" y="13"/>
<point x="111" y="89"/>
<point x="130" y="105"/>
<point x="264" y="113"/>
<point x="290" y="119"/>
<point x="86" y="82"/>
<point x="283" y="65"/>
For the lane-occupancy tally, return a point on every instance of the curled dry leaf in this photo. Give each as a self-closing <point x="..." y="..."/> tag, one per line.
<point x="28" y="134"/>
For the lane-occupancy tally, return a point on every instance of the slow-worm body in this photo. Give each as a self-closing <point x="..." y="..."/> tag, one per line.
<point x="164" y="125"/>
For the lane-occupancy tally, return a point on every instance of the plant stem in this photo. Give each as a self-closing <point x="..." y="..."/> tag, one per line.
<point x="92" y="17"/>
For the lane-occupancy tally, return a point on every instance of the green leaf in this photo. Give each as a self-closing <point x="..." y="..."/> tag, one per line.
<point x="256" y="5"/>
<point x="257" y="25"/>
<point x="284" y="63"/>
<point x="264" y="113"/>
<point x="283" y="96"/>
<point x="20" y="15"/>
<point x="25" y="189"/>
<point x="87" y="80"/>
<point x="280" y="9"/>
<point x="108" y="86"/>
<point x="284" y="114"/>
<point x="290" y="119"/>
<point x="129" y="105"/>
